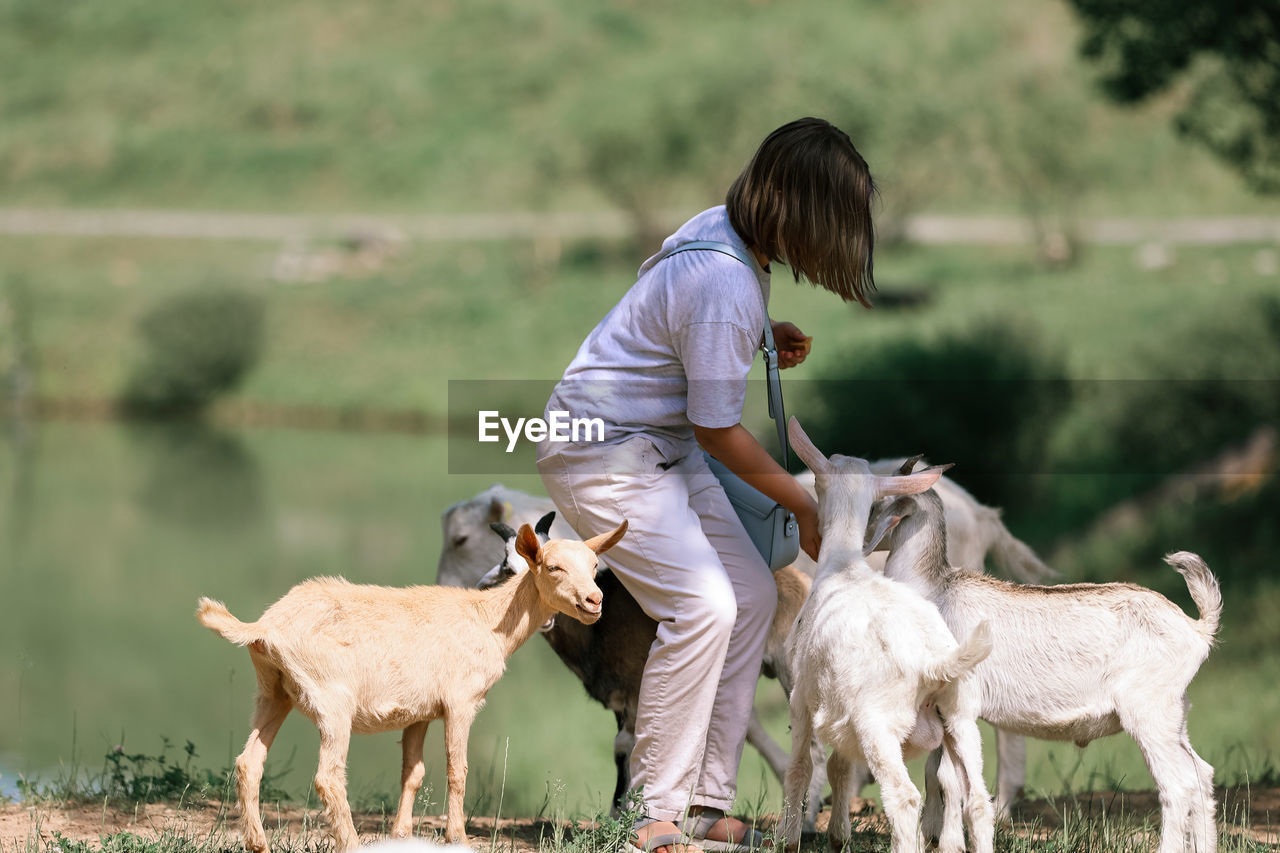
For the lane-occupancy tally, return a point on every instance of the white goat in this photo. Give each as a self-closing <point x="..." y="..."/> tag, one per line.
<point x="974" y="532"/>
<point x="874" y="665"/>
<point x="366" y="659"/>
<point x="1076" y="661"/>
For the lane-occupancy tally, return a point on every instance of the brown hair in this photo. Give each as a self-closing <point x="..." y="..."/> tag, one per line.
<point x="805" y="199"/>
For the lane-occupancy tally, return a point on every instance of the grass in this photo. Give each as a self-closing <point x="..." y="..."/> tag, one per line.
<point x="1093" y="824"/>
<point x="493" y="106"/>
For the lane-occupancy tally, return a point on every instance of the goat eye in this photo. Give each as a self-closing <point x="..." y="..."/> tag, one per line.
<point x="555" y="568"/>
<point x="459" y="541"/>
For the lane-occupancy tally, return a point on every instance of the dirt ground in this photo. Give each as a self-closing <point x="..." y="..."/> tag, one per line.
<point x="28" y="827"/>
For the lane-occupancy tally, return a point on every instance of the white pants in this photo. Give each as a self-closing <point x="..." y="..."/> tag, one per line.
<point x="689" y="563"/>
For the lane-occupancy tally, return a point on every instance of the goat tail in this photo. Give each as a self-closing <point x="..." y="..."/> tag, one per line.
<point x="972" y="651"/>
<point x="1014" y="558"/>
<point x="215" y="616"/>
<point x="1204" y="590"/>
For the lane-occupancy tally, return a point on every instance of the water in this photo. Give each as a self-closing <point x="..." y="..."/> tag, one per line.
<point x="108" y="535"/>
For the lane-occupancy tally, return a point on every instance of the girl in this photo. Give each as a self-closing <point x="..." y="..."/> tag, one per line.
<point x="666" y="370"/>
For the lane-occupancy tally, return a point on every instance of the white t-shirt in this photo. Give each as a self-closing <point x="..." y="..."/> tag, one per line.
<point x="676" y="349"/>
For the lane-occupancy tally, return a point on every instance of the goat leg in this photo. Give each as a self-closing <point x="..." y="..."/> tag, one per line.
<point x="457" y="728"/>
<point x="772" y="753"/>
<point x="411" y="772"/>
<point x="269" y="713"/>
<point x="331" y="782"/>
<point x="1011" y="771"/>
<point x="623" y="743"/>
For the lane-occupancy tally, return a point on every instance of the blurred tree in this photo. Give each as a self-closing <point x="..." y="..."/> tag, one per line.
<point x="671" y="136"/>
<point x="1029" y="132"/>
<point x="639" y="151"/>
<point x="198" y="345"/>
<point x="1229" y="54"/>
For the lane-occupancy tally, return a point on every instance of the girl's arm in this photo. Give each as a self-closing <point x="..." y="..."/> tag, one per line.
<point x="742" y="454"/>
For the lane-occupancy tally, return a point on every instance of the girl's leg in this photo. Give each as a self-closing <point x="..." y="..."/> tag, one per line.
<point x="756" y="596"/>
<point x="676" y="575"/>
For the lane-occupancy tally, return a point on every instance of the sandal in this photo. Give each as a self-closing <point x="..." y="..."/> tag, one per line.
<point x="698" y="825"/>
<point x="672" y="840"/>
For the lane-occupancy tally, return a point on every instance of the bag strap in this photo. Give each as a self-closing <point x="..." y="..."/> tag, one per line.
<point x="770" y="349"/>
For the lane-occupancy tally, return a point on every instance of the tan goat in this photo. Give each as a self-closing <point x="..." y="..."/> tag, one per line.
<point x="367" y="659"/>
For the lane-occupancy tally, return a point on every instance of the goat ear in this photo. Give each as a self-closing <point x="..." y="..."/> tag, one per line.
<point x="605" y="541"/>
<point x="886" y="519"/>
<point x="504" y="530"/>
<point x="805" y="449"/>
<point x="543" y="527"/>
<point x="910" y="464"/>
<point x="528" y="546"/>
<point x="499" y="510"/>
<point x="910" y="484"/>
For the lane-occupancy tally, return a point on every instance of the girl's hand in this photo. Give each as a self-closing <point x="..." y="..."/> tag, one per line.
<point x="793" y="345"/>
<point x="810" y="537"/>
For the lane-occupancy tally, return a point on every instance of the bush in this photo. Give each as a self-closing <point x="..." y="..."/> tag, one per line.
<point x="984" y="398"/>
<point x="198" y="345"/>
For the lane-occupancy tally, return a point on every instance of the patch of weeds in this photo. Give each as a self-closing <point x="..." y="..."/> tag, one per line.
<point x="552" y="802"/>
<point x="141" y="778"/>
<point x="125" y="842"/>
<point x="1100" y="833"/>
<point x="605" y="833"/>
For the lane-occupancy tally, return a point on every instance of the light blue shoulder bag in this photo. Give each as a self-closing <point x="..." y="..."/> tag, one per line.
<point x="771" y="526"/>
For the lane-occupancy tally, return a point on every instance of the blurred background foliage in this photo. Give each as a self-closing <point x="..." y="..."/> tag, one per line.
<point x="196" y="347"/>
<point x="984" y="396"/>
<point x="1118" y="397"/>
<point x="395" y="105"/>
<point x="1226" y="54"/>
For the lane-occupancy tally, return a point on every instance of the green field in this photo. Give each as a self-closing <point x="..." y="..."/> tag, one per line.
<point x="393" y="105"/>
